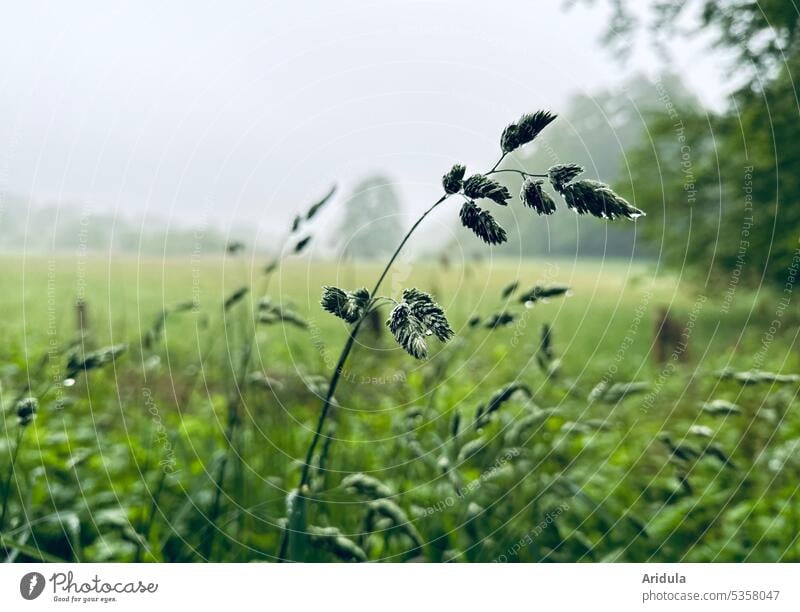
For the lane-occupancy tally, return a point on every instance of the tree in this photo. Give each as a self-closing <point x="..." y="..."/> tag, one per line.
<point x="596" y="132"/>
<point x="373" y="219"/>
<point x="721" y="190"/>
<point x="761" y="35"/>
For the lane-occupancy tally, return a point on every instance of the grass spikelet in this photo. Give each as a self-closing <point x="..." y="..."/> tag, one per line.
<point x="472" y="449"/>
<point x="562" y="174"/>
<point x="540" y="293"/>
<point x="498" y="398"/>
<point x="335" y="301"/>
<point x="479" y="186"/>
<point x="509" y="289"/>
<point x="396" y="517"/>
<point x="331" y="540"/>
<point x="474" y="321"/>
<point x="500" y="319"/>
<point x="94" y="359"/>
<point x="26" y="410"/>
<point x="453" y="181"/>
<point x="407" y="331"/>
<point x="680" y="451"/>
<point x="702" y="431"/>
<point x="235" y="247"/>
<point x="525" y="130"/>
<point x="365" y="485"/>
<point x="754" y="377"/>
<point x="720" y="407"/>
<point x="346" y="306"/>
<point x="270" y="313"/>
<point x="455" y="424"/>
<point x="482" y="224"/>
<point x="296" y="525"/>
<point x="598" y="199"/>
<point x="316" y="207"/>
<point x="429" y="313"/>
<point x="533" y="196"/>
<point x="716" y="451"/>
<point x="545" y="357"/>
<point x="234" y="298"/>
<point x="416" y="317"/>
<point x="616" y="392"/>
<point x="519" y="431"/>
<point x="301" y="245"/>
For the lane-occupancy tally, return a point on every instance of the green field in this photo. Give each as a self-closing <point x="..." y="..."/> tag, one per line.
<point x="173" y="452"/>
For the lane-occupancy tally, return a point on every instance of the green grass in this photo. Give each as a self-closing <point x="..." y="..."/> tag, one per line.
<point x="588" y="481"/>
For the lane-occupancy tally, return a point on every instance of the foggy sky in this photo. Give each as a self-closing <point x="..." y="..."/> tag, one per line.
<point x="245" y="111"/>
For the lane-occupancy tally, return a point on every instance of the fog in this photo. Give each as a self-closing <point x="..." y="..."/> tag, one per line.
<point x="239" y="112"/>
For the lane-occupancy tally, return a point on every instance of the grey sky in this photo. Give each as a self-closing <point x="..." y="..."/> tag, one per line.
<point x="247" y="110"/>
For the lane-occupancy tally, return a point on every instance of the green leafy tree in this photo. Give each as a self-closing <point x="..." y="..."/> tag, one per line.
<point x="761" y="35"/>
<point x="722" y="188"/>
<point x="372" y="221"/>
<point x="596" y="132"/>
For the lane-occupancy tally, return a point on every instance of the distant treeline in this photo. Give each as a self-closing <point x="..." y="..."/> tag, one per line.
<point x="72" y="228"/>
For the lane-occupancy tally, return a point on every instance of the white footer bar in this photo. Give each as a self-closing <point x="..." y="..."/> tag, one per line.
<point x="406" y="588"/>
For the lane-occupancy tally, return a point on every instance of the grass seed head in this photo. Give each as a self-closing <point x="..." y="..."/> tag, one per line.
<point x="509" y="289"/>
<point x="93" y="360"/>
<point x="26" y="410"/>
<point x="525" y="130"/>
<point x="347" y="306"/>
<point x="472" y="449"/>
<point x="482" y="224"/>
<point x="480" y="186"/>
<point x="561" y="174"/>
<point x="334" y="301"/>
<point x="429" y="313"/>
<point x="416" y="317"/>
<point x="753" y="377"/>
<point x="453" y="180"/>
<point x="407" y="330"/>
<point x="367" y="486"/>
<point x="720" y="407"/>
<point x="598" y="199"/>
<point x="395" y="516"/>
<point x="455" y="424"/>
<point x="474" y="321"/>
<point x="234" y="298"/>
<point x="235" y="247"/>
<point x="317" y="206"/>
<point x="500" y="319"/>
<point x="534" y="197"/>
<point x="331" y="540"/>
<point x="539" y="293"/>
<point x="302" y="244"/>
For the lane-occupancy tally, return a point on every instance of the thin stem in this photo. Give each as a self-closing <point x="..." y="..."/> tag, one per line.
<point x="499" y="161"/>
<point x="403" y="243"/>
<point x="7" y="488"/>
<point x="351" y="341"/>
<point x="337" y="372"/>
<point x="348" y="347"/>
<point x="520" y="172"/>
<point x="233" y="407"/>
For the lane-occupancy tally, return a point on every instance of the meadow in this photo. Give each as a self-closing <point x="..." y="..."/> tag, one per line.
<point x="545" y="431"/>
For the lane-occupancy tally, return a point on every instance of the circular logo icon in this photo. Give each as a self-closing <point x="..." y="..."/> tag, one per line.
<point x="31" y="585"/>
